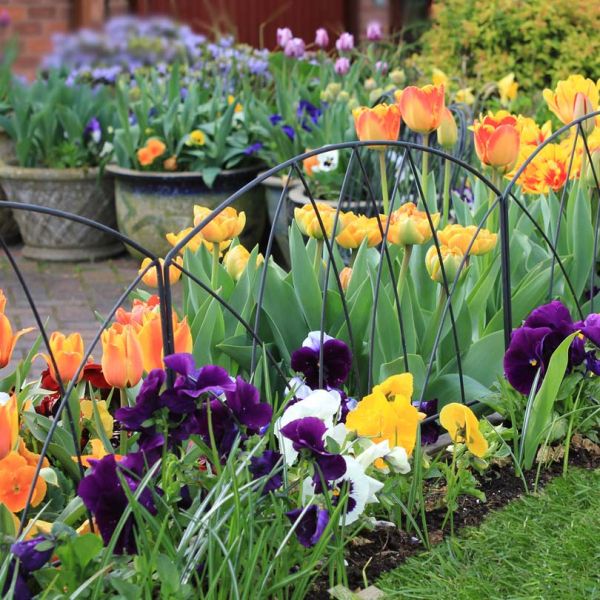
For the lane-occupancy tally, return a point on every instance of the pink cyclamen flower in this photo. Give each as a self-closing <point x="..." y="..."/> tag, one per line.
<point x="295" y="48"/>
<point x="342" y="65"/>
<point x="284" y="35"/>
<point x="374" y="31"/>
<point x="321" y="38"/>
<point x="381" y="67"/>
<point x="345" y="42"/>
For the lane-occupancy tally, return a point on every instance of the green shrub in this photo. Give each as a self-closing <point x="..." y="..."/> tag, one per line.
<point x="541" y="41"/>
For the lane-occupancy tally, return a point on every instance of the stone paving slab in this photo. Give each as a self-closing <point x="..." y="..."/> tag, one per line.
<point x="67" y="296"/>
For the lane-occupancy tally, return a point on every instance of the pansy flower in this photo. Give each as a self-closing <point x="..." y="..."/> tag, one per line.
<point x="311" y="523"/>
<point x="337" y="360"/>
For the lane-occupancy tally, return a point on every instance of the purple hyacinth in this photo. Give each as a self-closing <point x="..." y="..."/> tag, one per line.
<point x="312" y="524"/>
<point x="308" y="434"/>
<point x="289" y="131"/>
<point x="275" y="118"/>
<point x="307" y="113"/>
<point x="253" y="148"/>
<point x="103" y="495"/>
<point x="337" y="360"/>
<point x="266" y="465"/>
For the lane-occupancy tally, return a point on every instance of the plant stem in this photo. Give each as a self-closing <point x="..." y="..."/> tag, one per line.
<point x="425" y="167"/>
<point x="446" y="194"/>
<point x="123" y="435"/>
<point x="216" y="252"/>
<point x="384" y="184"/>
<point x="404" y="270"/>
<point x="318" y="257"/>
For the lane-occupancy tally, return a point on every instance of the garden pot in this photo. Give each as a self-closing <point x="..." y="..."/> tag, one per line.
<point x="274" y="187"/>
<point x="150" y="205"/>
<point x="80" y="191"/>
<point x="9" y="230"/>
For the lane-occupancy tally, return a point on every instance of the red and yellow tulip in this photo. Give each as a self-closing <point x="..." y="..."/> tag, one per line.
<point x="497" y="140"/>
<point x="381" y="122"/>
<point x="422" y="108"/>
<point x="572" y="98"/>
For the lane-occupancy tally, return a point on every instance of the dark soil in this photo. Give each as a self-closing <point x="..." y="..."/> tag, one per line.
<point x="374" y="552"/>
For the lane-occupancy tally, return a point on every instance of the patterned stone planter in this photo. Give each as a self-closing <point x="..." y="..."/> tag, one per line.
<point x="150" y="205"/>
<point x="80" y="191"/>
<point x="9" y="230"/>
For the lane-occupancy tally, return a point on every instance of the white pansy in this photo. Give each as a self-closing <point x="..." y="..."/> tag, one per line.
<point x="327" y="161"/>
<point x="313" y="340"/>
<point x="372" y="452"/>
<point x="398" y="460"/>
<point x="297" y="388"/>
<point x="362" y="490"/>
<point x="338" y="433"/>
<point x="319" y="403"/>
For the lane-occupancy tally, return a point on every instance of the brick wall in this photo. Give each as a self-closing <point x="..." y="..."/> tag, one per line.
<point x="34" y="22"/>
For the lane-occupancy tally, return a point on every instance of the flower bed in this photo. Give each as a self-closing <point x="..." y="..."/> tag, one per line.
<point x="236" y="444"/>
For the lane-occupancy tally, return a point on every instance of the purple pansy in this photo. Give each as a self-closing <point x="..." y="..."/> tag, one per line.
<point x="31" y="558"/>
<point x="148" y="401"/>
<point x="93" y="131"/>
<point x="337" y="360"/>
<point x="275" y="118"/>
<point x="103" y="495"/>
<point x="312" y="524"/>
<point x="308" y="434"/>
<point x="191" y="383"/>
<point x="307" y="113"/>
<point x="430" y="432"/>
<point x="265" y="465"/>
<point x="253" y="148"/>
<point x="245" y="403"/>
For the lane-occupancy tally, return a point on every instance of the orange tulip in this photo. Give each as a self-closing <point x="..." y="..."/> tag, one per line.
<point x="379" y="123"/>
<point x="459" y="237"/>
<point x="121" y="356"/>
<point x="447" y="132"/>
<point x="16" y="478"/>
<point x="68" y="353"/>
<point x="8" y="341"/>
<point x="222" y="227"/>
<point x="409" y="226"/>
<point x="345" y="277"/>
<point x="572" y="98"/>
<point x="150" y="337"/>
<point x="547" y="171"/>
<point x="2" y="301"/>
<point x="422" y="108"/>
<point x="150" y="278"/>
<point x="9" y="424"/>
<point x="138" y="310"/>
<point x="497" y="140"/>
<point x="308" y="222"/>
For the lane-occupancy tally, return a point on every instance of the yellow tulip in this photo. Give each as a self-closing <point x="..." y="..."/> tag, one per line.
<point x="150" y="278"/>
<point x="222" y="227"/>
<point x="236" y="261"/>
<point x="457" y="236"/>
<point x="195" y="242"/>
<point x="508" y="87"/>
<point x="574" y="92"/>
<point x="409" y="226"/>
<point x="462" y="425"/>
<point x="358" y="228"/>
<point x="98" y="452"/>
<point x="451" y="259"/>
<point x="106" y="419"/>
<point x="308" y="223"/>
<point x="345" y="277"/>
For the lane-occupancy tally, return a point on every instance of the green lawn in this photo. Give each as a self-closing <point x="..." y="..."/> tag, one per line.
<point x="545" y="547"/>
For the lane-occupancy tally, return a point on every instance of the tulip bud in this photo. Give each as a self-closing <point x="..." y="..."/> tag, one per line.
<point x="345" y="276"/>
<point x="375" y="95"/>
<point x="593" y="168"/>
<point x="326" y="96"/>
<point x="235" y="261"/>
<point x="343" y="96"/>
<point x="398" y="77"/>
<point x="353" y="103"/>
<point x="370" y="84"/>
<point x="342" y="65"/>
<point x="334" y="89"/>
<point x="447" y="132"/>
<point x="583" y="106"/>
<point x="451" y="259"/>
<point x="150" y="277"/>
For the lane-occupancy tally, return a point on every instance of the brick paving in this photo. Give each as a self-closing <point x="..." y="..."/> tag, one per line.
<point x="67" y="296"/>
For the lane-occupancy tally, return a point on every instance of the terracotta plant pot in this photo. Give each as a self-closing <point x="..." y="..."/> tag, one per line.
<point x="150" y="205"/>
<point x="9" y="230"/>
<point x="80" y="191"/>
